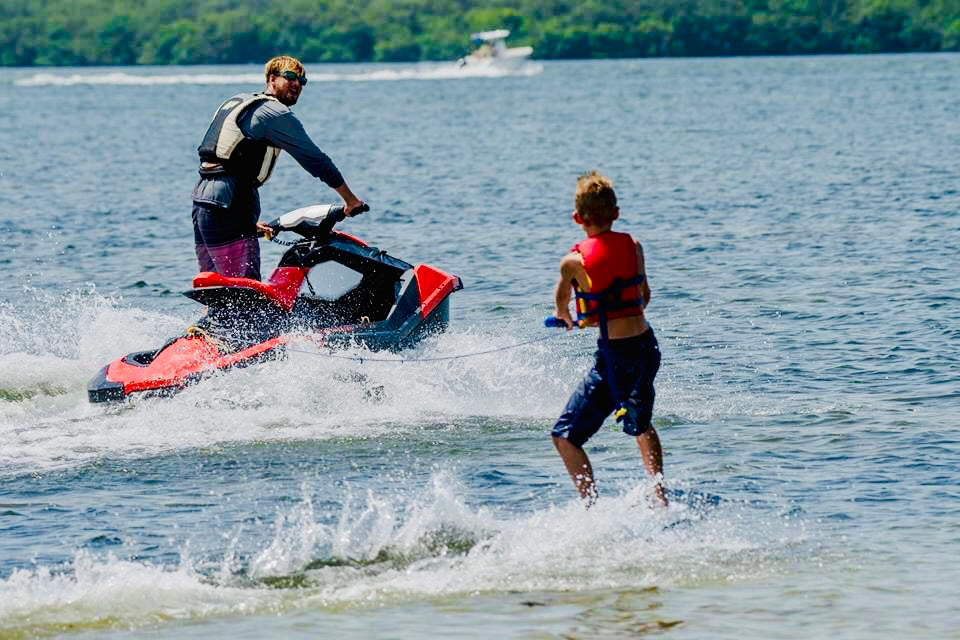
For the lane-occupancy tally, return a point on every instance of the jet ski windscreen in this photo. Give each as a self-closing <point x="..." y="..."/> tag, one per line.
<point x="329" y="281"/>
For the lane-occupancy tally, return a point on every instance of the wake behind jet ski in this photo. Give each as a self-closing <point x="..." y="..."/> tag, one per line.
<point x="329" y="286"/>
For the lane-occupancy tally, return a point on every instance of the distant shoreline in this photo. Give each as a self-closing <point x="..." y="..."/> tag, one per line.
<point x="182" y="32"/>
<point x="186" y="65"/>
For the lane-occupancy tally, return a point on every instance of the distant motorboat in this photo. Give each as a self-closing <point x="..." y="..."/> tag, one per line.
<point x="491" y="49"/>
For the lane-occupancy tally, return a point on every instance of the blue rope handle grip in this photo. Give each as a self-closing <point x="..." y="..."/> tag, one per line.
<point x="553" y="322"/>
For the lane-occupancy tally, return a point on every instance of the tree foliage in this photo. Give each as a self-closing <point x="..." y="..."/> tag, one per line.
<point x="124" y="32"/>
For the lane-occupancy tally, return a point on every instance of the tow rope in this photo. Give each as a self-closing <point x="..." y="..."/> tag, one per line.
<point x="195" y="331"/>
<point x="362" y="359"/>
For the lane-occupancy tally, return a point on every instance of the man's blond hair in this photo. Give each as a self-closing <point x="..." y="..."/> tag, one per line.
<point x="279" y="64"/>
<point x="595" y="200"/>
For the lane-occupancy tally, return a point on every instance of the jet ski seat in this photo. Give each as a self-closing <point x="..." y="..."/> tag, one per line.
<point x="275" y="291"/>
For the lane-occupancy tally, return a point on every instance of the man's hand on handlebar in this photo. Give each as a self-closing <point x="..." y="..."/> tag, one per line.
<point x="355" y="208"/>
<point x="263" y="229"/>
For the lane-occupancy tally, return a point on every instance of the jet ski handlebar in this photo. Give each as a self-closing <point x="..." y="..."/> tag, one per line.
<point x="315" y="221"/>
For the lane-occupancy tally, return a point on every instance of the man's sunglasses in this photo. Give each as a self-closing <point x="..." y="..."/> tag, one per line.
<point x="292" y="75"/>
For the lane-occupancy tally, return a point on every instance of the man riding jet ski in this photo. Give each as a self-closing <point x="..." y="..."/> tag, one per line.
<point x="329" y="286"/>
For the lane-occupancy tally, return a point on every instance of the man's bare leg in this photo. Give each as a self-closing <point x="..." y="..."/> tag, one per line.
<point x="652" y="455"/>
<point x="578" y="466"/>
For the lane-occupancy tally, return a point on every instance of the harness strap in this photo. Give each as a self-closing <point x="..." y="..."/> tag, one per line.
<point x="610" y="298"/>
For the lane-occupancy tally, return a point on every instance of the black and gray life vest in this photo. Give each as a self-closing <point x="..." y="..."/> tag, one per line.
<point x="224" y="148"/>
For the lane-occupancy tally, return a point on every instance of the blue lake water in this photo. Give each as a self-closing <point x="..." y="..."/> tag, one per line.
<point x="799" y="218"/>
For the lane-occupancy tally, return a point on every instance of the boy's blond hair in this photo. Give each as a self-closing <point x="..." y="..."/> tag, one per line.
<point x="279" y="64"/>
<point x="595" y="200"/>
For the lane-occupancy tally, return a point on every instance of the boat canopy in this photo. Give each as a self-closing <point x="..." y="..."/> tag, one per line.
<point x="489" y="36"/>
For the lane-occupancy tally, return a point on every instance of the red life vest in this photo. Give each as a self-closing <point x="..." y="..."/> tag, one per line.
<point x="613" y="272"/>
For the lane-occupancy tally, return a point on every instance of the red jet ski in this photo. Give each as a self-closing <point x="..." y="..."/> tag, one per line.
<point x="329" y="286"/>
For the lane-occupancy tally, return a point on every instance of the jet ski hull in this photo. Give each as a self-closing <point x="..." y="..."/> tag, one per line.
<point x="393" y="306"/>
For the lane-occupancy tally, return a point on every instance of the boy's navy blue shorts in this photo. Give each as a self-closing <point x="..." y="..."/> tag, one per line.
<point x="635" y="364"/>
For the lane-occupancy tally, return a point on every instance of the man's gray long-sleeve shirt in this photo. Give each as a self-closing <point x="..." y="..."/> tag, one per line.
<point x="275" y="123"/>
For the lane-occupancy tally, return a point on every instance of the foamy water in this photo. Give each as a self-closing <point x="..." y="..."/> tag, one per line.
<point x="385" y="550"/>
<point x="383" y="73"/>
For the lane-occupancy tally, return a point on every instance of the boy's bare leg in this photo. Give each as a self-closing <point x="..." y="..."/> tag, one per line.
<point x="578" y="466"/>
<point x="652" y="455"/>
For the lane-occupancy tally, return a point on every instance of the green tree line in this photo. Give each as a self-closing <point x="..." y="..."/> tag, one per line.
<point x="127" y="32"/>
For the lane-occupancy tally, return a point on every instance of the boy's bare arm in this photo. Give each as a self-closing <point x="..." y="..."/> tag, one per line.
<point x="569" y="267"/>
